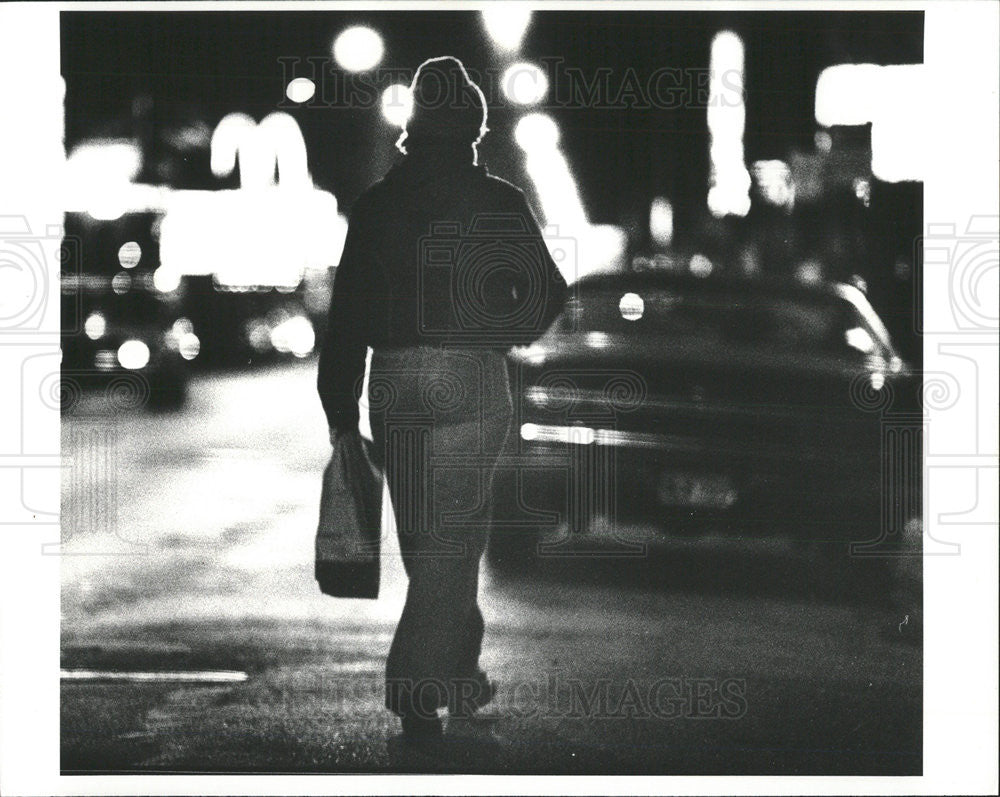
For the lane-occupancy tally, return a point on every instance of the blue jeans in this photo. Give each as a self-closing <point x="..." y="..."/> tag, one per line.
<point x="439" y="419"/>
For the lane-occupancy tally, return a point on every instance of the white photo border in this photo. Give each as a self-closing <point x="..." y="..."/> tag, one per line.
<point x="960" y="599"/>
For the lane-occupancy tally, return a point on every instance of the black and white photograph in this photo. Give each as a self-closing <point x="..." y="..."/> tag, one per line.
<point x="499" y="389"/>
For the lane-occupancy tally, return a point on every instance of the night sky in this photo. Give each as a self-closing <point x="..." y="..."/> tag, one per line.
<point x="189" y="66"/>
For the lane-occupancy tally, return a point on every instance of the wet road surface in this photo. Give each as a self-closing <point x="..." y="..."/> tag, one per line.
<point x="188" y="548"/>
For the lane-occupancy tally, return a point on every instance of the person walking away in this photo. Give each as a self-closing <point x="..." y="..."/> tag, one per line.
<point x="443" y="270"/>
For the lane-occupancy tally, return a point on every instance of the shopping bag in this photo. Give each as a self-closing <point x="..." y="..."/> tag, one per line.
<point x="350" y="515"/>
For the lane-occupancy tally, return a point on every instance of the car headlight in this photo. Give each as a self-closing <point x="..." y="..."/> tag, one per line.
<point x="133" y="354"/>
<point x="533" y="354"/>
<point x="181" y="338"/>
<point x="294" y="335"/>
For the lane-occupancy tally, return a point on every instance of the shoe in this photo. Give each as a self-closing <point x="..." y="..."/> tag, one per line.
<point x="420" y="730"/>
<point x="483" y="692"/>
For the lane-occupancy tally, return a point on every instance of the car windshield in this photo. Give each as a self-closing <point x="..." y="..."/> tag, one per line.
<point x="823" y="323"/>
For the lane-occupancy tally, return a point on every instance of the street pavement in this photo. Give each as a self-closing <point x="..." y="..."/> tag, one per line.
<point x="188" y="547"/>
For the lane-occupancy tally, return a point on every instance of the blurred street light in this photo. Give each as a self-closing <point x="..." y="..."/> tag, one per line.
<point x="301" y="89"/>
<point x="729" y="190"/>
<point x="397" y="104"/>
<point x="524" y="84"/>
<point x="536" y="132"/>
<point x="98" y="174"/>
<point x="358" y="49"/>
<point x="294" y="335"/>
<point x="166" y="280"/>
<point x="774" y="178"/>
<point x="95" y="326"/>
<point x="631" y="306"/>
<point x="594" y="246"/>
<point x="129" y="254"/>
<point x="133" y="354"/>
<point x="121" y="283"/>
<point x="661" y="221"/>
<point x="506" y="24"/>
<point x="700" y="265"/>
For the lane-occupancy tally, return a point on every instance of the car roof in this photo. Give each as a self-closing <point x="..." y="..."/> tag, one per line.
<point x="783" y="289"/>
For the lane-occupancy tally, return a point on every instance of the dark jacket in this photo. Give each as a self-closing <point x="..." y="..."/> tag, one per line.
<point x="438" y="253"/>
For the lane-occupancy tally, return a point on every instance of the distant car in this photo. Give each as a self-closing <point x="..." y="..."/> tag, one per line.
<point x="252" y="325"/>
<point x="126" y="339"/>
<point x="692" y="403"/>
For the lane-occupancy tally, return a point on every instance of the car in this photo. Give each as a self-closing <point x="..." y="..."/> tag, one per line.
<point x="119" y="335"/>
<point x="708" y="404"/>
<point x="253" y="325"/>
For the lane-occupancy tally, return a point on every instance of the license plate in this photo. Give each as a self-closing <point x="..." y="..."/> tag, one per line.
<point x="699" y="490"/>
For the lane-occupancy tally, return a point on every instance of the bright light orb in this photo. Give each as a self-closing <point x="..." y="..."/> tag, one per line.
<point x="133" y="354"/>
<point x="189" y="346"/>
<point x="397" y="104"/>
<point x="524" y="84"/>
<point x="121" y="283"/>
<point x="166" y="280"/>
<point x="506" y="24"/>
<point x="129" y="254"/>
<point x="300" y="90"/>
<point x="95" y="326"/>
<point x="700" y="265"/>
<point x="537" y="132"/>
<point x="294" y="335"/>
<point x="358" y="49"/>
<point x="661" y="221"/>
<point x="598" y="340"/>
<point x="631" y="306"/>
<point x="809" y="272"/>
